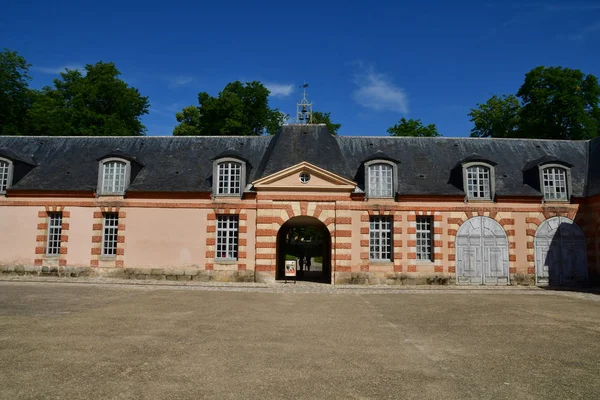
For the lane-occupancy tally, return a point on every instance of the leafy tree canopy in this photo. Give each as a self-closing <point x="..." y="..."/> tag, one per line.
<point x="240" y="110"/>
<point x="413" y="127"/>
<point x="15" y="95"/>
<point x="319" y="117"/>
<point x="96" y="103"/>
<point x="552" y="103"/>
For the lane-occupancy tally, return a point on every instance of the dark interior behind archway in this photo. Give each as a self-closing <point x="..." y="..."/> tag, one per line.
<point x="309" y="240"/>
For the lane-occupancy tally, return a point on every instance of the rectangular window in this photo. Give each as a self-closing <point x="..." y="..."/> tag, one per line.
<point x="113" y="177"/>
<point x="478" y="182"/>
<point x="424" y="234"/>
<point x="110" y="234"/>
<point x="4" y="170"/>
<point x="380" y="238"/>
<point x="54" y="232"/>
<point x="230" y="177"/>
<point x="227" y="237"/>
<point x="555" y="184"/>
<point x="380" y="180"/>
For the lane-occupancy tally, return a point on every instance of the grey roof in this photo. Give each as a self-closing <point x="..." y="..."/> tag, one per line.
<point x="426" y="166"/>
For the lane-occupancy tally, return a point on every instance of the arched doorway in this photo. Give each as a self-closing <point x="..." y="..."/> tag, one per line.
<point x="560" y="253"/>
<point x="482" y="252"/>
<point x="307" y="239"/>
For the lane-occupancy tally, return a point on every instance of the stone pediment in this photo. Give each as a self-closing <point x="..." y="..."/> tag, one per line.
<point x="289" y="180"/>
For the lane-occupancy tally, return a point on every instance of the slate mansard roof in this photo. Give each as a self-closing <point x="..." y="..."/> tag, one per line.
<point x="426" y="166"/>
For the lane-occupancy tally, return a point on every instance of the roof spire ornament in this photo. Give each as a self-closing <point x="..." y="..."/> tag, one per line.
<point x="304" y="108"/>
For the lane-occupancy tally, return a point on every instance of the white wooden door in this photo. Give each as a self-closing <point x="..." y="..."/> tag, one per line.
<point x="482" y="252"/>
<point x="560" y="253"/>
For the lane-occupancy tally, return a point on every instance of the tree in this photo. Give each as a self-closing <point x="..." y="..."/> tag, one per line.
<point x="413" y="127"/>
<point x="97" y="103"/>
<point x="498" y="117"/>
<point x="560" y="103"/>
<point x="552" y="103"/>
<point x="240" y="109"/>
<point x="319" y="117"/>
<point x="15" y="95"/>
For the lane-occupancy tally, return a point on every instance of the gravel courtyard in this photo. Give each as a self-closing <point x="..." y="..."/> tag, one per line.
<point x="77" y="341"/>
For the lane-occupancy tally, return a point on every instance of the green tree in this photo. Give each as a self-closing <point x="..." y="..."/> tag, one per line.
<point x="552" y="103"/>
<point x="240" y="109"/>
<point x="498" y="117"/>
<point x="559" y="103"/>
<point x="97" y="103"/>
<point x="319" y="117"/>
<point x="15" y="95"/>
<point x="413" y="127"/>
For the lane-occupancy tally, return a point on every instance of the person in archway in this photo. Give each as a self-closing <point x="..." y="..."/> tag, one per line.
<point x="301" y="262"/>
<point x="308" y="263"/>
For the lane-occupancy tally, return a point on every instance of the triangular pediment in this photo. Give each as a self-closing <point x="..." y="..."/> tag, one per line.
<point x="289" y="179"/>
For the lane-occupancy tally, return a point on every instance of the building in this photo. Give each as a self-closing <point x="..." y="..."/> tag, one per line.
<point x="387" y="210"/>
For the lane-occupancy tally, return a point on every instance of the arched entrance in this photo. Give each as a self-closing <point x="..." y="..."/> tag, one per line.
<point x="307" y="239"/>
<point x="560" y="253"/>
<point x="482" y="252"/>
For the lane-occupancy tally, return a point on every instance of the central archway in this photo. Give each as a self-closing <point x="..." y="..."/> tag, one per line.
<point x="307" y="239"/>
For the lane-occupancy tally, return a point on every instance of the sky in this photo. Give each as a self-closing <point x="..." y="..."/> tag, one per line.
<point x="369" y="63"/>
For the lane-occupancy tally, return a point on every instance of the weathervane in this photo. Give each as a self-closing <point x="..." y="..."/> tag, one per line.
<point x="304" y="108"/>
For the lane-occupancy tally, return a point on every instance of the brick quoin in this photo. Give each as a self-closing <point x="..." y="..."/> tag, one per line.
<point x="243" y="229"/>
<point x="120" y="251"/>
<point x="452" y="232"/>
<point x="342" y="268"/>
<point x="210" y="254"/>
<point x="210" y="241"/>
<point x="535" y="221"/>
<point x="438" y="268"/>
<point x="343" y="233"/>
<point x="121" y="227"/>
<point x="120" y="239"/>
<point x="397" y="256"/>
<point x="62" y="263"/>
<point x="397" y="217"/>
<point x="411" y="217"/>
<point x="40" y="238"/>
<point x="412" y="268"/>
<point x="264" y="245"/>
<point x="397" y="243"/>
<point x="243" y="217"/>
<point x="531" y="270"/>
<point x="364" y="243"/>
<point x="119" y="263"/>
<point x="469" y="214"/>
<point x="364" y="218"/>
<point x="38" y="262"/>
<point x="512" y="245"/>
<point x="96" y="251"/>
<point x="364" y="230"/>
<point x="398" y="230"/>
<point x="512" y="257"/>
<point x="512" y="270"/>
<point x="411" y="243"/>
<point x="241" y="255"/>
<point x="343" y="220"/>
<point x="211" y="228"/>
<point x="411" y="231"/>
<point x="451" y="245"/>
<point x="455" y="221"/>
<point x="65" y="226"/>
<point x="412" y="256"/>
<point x="510" y="232"/>
<point x="397" y="268"/>
<point x="530" y="245"/>
<point x="96" y="239"/>
<point x="42" y="226"/>
<point x="242" y="242"/>
<point x="122" y="215"/>
<point x="42" y="214"/>
<point x="264" y="268"/>
<point x="438" y="243"/>
<point x="452" y="270"/>
<point x="66" y="214"/>
<point x="451" y="257"/>
<point x="40" y="250"/>
<point x="241" y="267"/>
<point x="97" y="214"/>
<point x="438" y="231"/>
<point x="364" y="268"/>
<point x="266" y="232"/>
<point x="266" y="256"/>
<point x="507" y="221"/>
<point x="211" y="216"/>
<point x="530" y="232"/>
<point x="438" y="218"/>
<point x="97" y="227"/>
<point x="94" y="263"/>
<point x="438" y="256"/>
<point x="342" y="245"/>
<point x="530" y="257"/>
<point x="364" y="256"/>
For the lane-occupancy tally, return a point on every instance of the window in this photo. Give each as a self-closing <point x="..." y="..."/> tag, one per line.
<point x="230" y="178"/>
<point x="380" y="238"/>
<point x="424" y="229"/>
<point x="555" y="183"/>
<point x="478" y="182"/>
<point x="380" y="180"/>
<point x="54" y="232"/>
<point x="5" y="174"/>
<point x="110" y="234"/>
<point x="114" y="177"/>
<point x="227" y="237"/>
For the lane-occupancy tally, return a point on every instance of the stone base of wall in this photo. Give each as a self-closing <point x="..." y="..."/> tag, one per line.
<point x="522" y="280"/>
<point x="391" y="278"/>
<point x="61" y="272"/>
<point x="264" y="277"/>
<point x="182" y="274"/>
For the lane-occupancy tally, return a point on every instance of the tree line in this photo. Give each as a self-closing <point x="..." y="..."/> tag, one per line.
<point x="552" y="103"/>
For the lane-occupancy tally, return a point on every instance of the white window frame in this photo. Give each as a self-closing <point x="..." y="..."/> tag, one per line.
<point x="226" y="248"/>
<point x="217" y="171"/>
<point x="53" y="242"/>
<point x="489" y="187"/>
<point x="547" y="190"/>
<point x="370" y="172"/>
<point x="424" y="238"/>
<point x="381" y="238"/>
<point x="102" y="177"/>
<point x="110" y="234"/>
<point x="6" y="173"/>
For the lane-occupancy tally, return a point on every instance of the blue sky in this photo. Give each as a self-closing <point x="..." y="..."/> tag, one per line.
<point x="369" y="63"/>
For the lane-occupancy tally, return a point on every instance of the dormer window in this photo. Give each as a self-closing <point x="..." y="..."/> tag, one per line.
<point x="6" y="171"/>
<point x="554" y="183"/>
<point x="230" y="178"/>
<point x="380" y="179"/>
<point x="114" y="176"/>
<point x="478" y="182"/>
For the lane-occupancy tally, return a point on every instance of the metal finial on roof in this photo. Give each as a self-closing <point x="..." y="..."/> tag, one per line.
<point x="304" y="108"/>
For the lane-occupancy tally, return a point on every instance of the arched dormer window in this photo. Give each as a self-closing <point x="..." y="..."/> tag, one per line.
<point x="478" y="180"/>
<point x="6" y="174"/>
<point x="555" y="182"/>
<point x="114" y="176"/>
<point x="229" y="173"/>
<point x="380" y="180"/>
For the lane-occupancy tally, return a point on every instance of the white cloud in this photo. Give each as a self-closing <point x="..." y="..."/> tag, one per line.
<point x="377" y="91"/>
<point x="58" y="70"/>
<point x="279" y="90"/>
<point x="180" y="81"/>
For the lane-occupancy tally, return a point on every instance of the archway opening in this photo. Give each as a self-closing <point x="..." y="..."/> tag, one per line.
<point x="307" y="241"/>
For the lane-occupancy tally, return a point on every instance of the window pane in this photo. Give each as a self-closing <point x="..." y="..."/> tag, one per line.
<point x="229" y="178"/>
<point x="54" y="232"/>
<point x="380" y="180"/>
<point x="4" y="167"/>
<point x="555" y="183"/>
<point x="424" y="235"/>
<point x="227" y="237"/>
<point x="478" y="182"/>
<point x="110" y="234"/>
<point x="113" y="177"/>
<point x="380" y="238"/>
